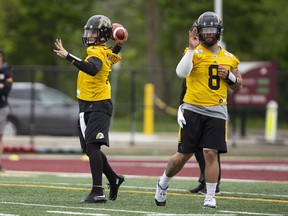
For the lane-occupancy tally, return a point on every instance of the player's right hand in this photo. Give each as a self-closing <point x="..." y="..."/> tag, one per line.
<point x="180" y="117"/>
<point x="60" y="51"/>
<point x="193" y="39"/>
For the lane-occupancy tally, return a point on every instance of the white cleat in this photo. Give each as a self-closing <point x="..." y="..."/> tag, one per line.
<point x="209" y="202"/>
<point x="160" y="195"/>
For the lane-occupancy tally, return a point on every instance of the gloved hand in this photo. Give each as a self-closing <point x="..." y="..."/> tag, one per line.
<point x="180" y="117"/>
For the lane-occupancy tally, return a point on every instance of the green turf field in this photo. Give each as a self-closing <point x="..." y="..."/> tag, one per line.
<point x="29" y="194"/>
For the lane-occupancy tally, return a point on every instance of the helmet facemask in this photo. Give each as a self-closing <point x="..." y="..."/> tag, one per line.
<point x="209" y="28"/>
<point x="209" y="36"/>
<point x="90" y="37"/>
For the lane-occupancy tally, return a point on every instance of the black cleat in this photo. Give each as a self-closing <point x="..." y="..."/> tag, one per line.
<point x="115" y="187"/>
<point x="94" y="198"/>
<point x="200" y="187"/>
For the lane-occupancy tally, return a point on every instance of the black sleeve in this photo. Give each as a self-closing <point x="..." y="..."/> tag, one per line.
<point x="116" y="49"/>
<point x="183" y="92"/>
<point x="5" y="68"/>
<point x="92" y="67"/>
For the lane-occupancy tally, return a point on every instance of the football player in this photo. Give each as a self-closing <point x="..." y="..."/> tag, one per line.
<point x="6" y="81"/>
<point x="95" y="105"/>
<point x="210" y="71"/>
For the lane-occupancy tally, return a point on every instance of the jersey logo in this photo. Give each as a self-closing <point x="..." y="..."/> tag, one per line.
<point x="199" y="51"/>
<point x="228" y="54"/>
<point x="113" y="58"/>
<point x="222" y="101"/>
<point x="100" y="136"/>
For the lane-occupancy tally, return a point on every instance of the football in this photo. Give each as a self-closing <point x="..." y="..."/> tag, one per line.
<point x="118" y="31"/>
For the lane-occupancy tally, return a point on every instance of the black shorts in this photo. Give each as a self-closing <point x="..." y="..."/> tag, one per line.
<point x="94" y="125"/>
<point x="201" y="132"/>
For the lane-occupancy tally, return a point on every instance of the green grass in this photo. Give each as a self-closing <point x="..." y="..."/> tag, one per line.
<point x="29" y="194"/>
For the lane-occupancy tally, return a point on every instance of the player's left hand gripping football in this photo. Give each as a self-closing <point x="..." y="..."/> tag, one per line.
<point x="60" y="51"/>
<point x="121" y="42"/>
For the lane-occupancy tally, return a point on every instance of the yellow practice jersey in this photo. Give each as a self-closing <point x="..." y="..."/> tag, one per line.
<point x="96" y="88"/>
<point x="204" y="86"/>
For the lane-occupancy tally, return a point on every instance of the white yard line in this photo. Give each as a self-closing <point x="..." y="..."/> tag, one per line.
<point x="76" y="213"/>
<point x="251" y="213"/>
<point x="83" y="208"/>
<point x="161" y="214"/>
<point x="2" y="214"/>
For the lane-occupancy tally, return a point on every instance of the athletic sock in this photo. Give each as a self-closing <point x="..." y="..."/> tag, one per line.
<point x="211" y="188"/>
<point x="164" y="180"/>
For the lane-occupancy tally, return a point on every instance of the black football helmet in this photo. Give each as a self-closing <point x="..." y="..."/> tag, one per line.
<point x="209" y="20"/>
<point x="99" y="23"/>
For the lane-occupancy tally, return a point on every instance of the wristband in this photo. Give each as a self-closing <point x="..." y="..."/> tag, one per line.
<point x="231" y="78"/>
<point x="72" y="58"/>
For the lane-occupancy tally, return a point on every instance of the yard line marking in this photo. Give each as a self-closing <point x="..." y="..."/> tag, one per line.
<point x="48" y="184"/>
<point x="162" y="214"/>
<point x="148" y="192"/>
<point x="251" y="213"/>
<point x="83" y="208"/>
<point x="82" y="175"/>
<point x="44" y="186"/>
<point x="76" y="213"/>
<point x="2" y="214"/>
<point x="5" y="183"/>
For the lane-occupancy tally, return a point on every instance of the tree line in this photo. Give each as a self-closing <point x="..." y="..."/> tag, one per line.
<point x="158" y="31"/>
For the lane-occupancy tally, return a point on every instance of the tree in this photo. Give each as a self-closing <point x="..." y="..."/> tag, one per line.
<point x="158" y="33"/>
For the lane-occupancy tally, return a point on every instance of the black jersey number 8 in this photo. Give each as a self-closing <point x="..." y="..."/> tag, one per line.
<point x="214" y="80"/>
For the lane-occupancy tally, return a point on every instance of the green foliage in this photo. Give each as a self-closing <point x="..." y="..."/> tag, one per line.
<point x="254" y="30"/>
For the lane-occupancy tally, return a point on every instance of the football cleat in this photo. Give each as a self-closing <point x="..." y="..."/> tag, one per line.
<point x="94" y="198"/>
<point x="198" y="189"/>
<point x="160" y="195"/>
<point x="115" y="187"/>
<point x="209" y="202"/>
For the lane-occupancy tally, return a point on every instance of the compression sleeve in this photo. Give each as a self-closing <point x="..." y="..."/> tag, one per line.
<point x="116" y="49"/>
<point x="92" y="67"/>
<point x="185" y="65"/>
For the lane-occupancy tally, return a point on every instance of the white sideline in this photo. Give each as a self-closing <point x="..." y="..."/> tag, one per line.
<point x="76" y="213"/>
